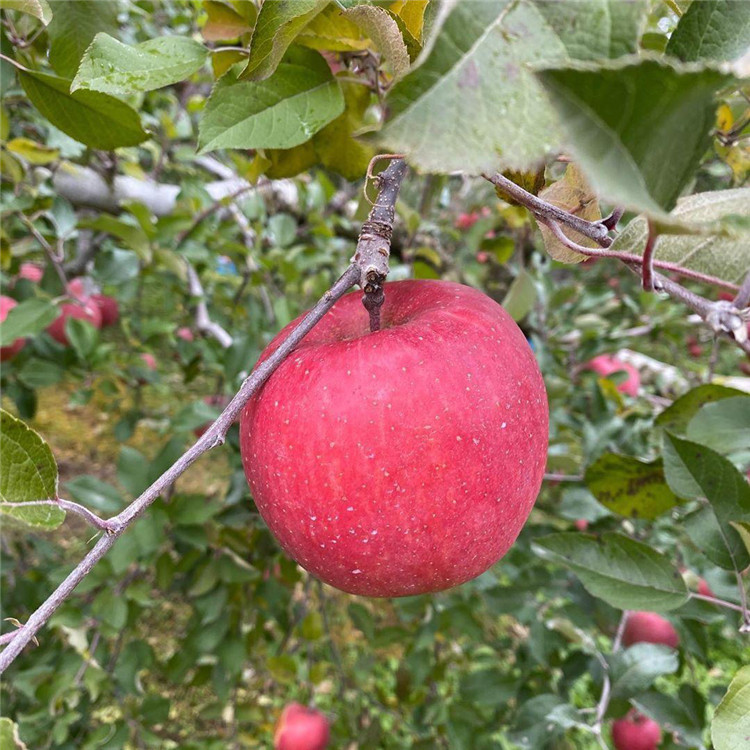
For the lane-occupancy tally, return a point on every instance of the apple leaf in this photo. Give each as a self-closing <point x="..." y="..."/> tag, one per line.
<point x="384" y="34"/>
<point x="730" y="727"/>
<point x="520" y="299"/>
<point x="277" y="25"/>
<point x="38" y="8"/>
<point x="675" y="714"/>
<point x="72" y="29"/>
<point x="630" y="487"/>
<point x="332" y="30"/>
<point x="9" y="739"/>
<point x="28" y="318"/>
<point x="27" y="472"/>
<point x="723" y="426"/>
<point x="33" y="152"/>
<point x="133" y="235"/>
<point x="411" y="13"/>
<point x="638" y="127"/>
<point x="224" y="22"/>
<point x="677" y="416"/>
<point x="743" y="529"/>
<point x="112" y="67"/>
<point x="634" y="670"/>
<point x="724" y="254"/>
<point x="694" y="471"/>
<point x="712" y="30"/>
<point x="283" y="111"/>
<point x="95" y="119"/>
<point x="571" y="193"/>
<point x="624" y="573"/>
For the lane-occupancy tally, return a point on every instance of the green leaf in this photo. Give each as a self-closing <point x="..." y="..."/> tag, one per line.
<point x="624" y="573"/>
<point x="278" y="24"/>
<point x="40" y="373"/>
<point x="94" y="493"/>
<point x="694" y="471"/>
<point x="743" y="529"/>
<point x="726" y="256"/>
<point x="630" y="487"/>
<point x="28" y="472"/>
<point x="112" y="67"/>
<point x="111" y="608"/>
<point x="488" y="687"/>
<point x="723" y="426"/>
<point x="635" y="669"/>
<point x="677" y="415"/>
<point x="332" y="30"/>
<point x="281" y="112"/>
<point x="225" y="22"/>
<point x="730" y="727"/>
<point x="28" y="318"/>
<point x="133" y="235"/>
<point x="73" y="27"/>
<point x="95" y="119"/>
<point x="82" y="335"/>
<point x="38" y="8"/>
<point x="712" y="30"/>
<point x="9" y="739"/>
<point x="638" y="127"/>
<point x="673" y="715"/>
<point x="521" y="297"/>
<point x="384" y="34"/>
<point x="474" y="80"/>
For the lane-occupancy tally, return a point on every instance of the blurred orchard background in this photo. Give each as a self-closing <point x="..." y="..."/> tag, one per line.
<point x="190" y="247"/>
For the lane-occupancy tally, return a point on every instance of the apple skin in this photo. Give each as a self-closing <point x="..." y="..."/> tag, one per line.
<point x="466" y="221"/>
<point x="301" y="728"/>
<point x="77" y="290"/>
<point x="108" y="308"/>
<point x="403" y="461"/>
<point x="8" y="352"/>
<point x="148" y="360"/>
<point x="82" y="310"/>
<point x="636" y="732"/>
<point x="582" y="524"/>
<point x="30" y="272"/>
<point x="648" y="627"/>
<point x="704" y="589"/>
<point x="606" y="364"/>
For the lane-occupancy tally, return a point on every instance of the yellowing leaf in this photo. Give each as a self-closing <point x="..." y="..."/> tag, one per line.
<point x="724" y="117"/>
<point x="411" y="13"/>
<point x="223" y="59"/>
<point x="33" y="152"/>
<point x="332" y="30"/>
<point x="385" y="35"/>
<point x="223" y="22"/>
<point x="573" y="194"/>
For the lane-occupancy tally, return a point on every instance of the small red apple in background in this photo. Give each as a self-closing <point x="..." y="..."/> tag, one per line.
<point x="606" y="364"/>
<point x="466" y="221"/>
<point x="30" y="272"/>
<point x="9" y="351"/>
<point x="582" y="524"/>
<point x="403" y="461"/>
<point x="301" y="728"/>
<point x="149" y="360"/>
<point x="704" y="589"/>
<point x="693" y="347"/>
<point x="108" y="308"/>
<point x="185" y="334"/>
<point x="636" y="732"/>
<point x="726" y="296"/>
<point x="82" y="310"/>
<point x="77" y="289"/>
<point x="648" y="627"/>
<point x="482" y="256"/>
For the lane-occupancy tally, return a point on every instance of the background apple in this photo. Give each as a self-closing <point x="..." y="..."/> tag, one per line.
<point x="607" y="364"/>
<point x="704" y="589"/>
<point x="636" y="732"/>
<point x="648" y="627"/>
<point x="78" y="289"/>
<point x="9" y="351"/>
<point x="185" y="334"/>
<point x="406" y="460"/>
<point x="582" y="524"/>
<point x="108" y="308"/>
<point x="301" y="728"/>
<point x="30" y="272"/>
<point x="82" y="310"/>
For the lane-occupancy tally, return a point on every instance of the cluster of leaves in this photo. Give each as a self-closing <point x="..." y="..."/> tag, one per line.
<point x="195" y="629"/>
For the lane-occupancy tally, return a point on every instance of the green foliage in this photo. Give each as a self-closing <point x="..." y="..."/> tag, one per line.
<point x="732" y="721"/>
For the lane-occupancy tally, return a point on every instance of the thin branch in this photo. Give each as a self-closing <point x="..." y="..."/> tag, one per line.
<point x="611" y="221"/>
<point x="601" y="708"/>
<point x="596" y="231"/>
<point x="647" y="265"/>
<point x="15" y="63"/>
<point x="214" y="435"/>
<point x="742" y="299"/>
<point x="552" y="477"/>
<point x="715" y="600"/>
<point x="67" y="505"/>
<point x="203" y="320"/>
<point x="52" y="256"/>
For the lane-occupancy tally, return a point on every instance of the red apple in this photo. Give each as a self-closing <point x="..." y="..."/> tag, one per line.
<point x="149" y="360"/>
<point x="704" y="589"/>
<point x="82" y="310"/>
<point x="301" y="728"/>
<point x="402" y="461"/>
<point x="10" y="351"/>
<point x="108" y="308"/>
<point x="648" y="627"/>
<point x="606" y="364"/>
<point x="466" y="221"/>
<point x="30" y="272"/>
<point x="482" y="256"/>
<point x="726" y="296"/>
<point x="636" y="732"/>
<point x="582" y="524"/>
<point x="185" y="334"/>
<point x="77" y="289"/>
